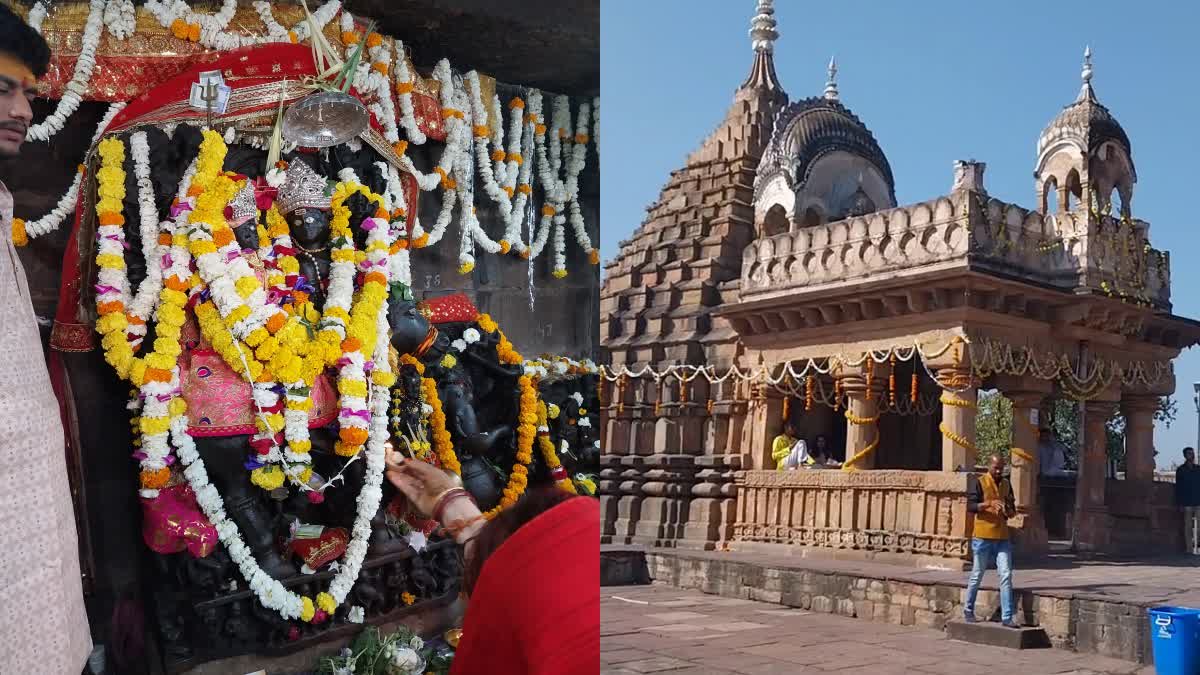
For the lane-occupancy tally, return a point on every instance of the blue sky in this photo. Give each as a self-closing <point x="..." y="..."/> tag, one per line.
<point x="935" y="82"/>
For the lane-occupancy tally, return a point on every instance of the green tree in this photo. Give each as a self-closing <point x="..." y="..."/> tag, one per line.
<point x="994" y="426"/>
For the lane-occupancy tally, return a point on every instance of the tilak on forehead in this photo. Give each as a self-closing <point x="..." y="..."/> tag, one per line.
<point x="15" y="69"/>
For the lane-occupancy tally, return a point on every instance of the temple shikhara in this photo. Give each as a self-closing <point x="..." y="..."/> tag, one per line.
<point x="300" y="237"/>
<point x="777" y="280"/>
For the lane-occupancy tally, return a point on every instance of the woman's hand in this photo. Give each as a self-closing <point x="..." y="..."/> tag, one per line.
<point x="423" y="484"/>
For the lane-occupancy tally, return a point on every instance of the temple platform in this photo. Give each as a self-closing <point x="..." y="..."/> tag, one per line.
<point x="1091" y="605"/>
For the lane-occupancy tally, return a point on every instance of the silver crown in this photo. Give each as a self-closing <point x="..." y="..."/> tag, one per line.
<point x="243" y="206"/>
<point x="302" y="188"/>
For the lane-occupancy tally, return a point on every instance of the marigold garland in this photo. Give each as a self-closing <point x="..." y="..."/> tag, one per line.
<point x="550" y="453"/>
<point x="437" y="425"/>
<point x="518" y="479"/>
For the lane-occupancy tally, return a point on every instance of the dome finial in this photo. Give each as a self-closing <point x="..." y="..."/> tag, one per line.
<point x="831" y="90"/>
<point x="762" y="27"/>
<point x="1085" y="92"/>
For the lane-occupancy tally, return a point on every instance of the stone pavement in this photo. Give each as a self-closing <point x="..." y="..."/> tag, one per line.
<point x="662" y="629"/>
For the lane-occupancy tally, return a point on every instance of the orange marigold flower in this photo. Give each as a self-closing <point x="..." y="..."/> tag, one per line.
<point x="193" y="32"/>
<point x="222" y="237"/>
<point x="516" y="157"/>
<point x="497" y="155"/>
<point x="110" y="307"/>
<point x="516" y="104"/>
<point x="81" y="168"/>
<point x="281" y="165"/>
<point x="158" y="375"/>
<point x="153" y="479"/>
<point x="176" y="284"/>
<point x="195" y="191"/>
<point x="539" y="129"/>
<point x="292" y="37"/>
<point x="377" y="277"/>
<point x="508" y="191"/>
<point x="164" y="239"/>
<point x="400" y="147"/>
<point x="505" y="247"/>
<point x="111" y="218"/>
<point x="349" y="37"/>
<point x="300" y="297"/>
<point x="581" y="138"/>
<point x="275" y="323"/>
<point x="525" y="188"/>
<point x="404" y="87"/>
<point x="353" y="435"/>
<point x="380" y="67"/>
<point x="548" y="210"/>
<point x="481" y="130"/>
<point x="19" y="236"/>
<point x="179" y="29"/>
<point x="525" y="254"/>
<point x="594" y="256"/>
<point x="397" y="212"/>
<point x="351" y="345"/>
<point x="562" y="132"/>
<point x="382" y="213"/>
<point x="374" y="40"/>
<point x="421" y="241"/>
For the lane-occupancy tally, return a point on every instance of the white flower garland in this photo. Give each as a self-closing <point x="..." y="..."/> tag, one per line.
<point x="404" y="84"/>
<point x="66" y="204"/>
<point x="596" y="124"/>
<point x="36" y="16"/>
<point x="213" y="27"/>
<point x="143" y="301"/>
<point x="398" y="263"/>
<point x="120" y="18"/>
<point x="69" y="103"/>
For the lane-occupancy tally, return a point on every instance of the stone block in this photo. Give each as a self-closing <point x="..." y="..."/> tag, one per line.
<point x="845" y="607"/>
<point x="928" y="619"/>
<point x="623" y="566"/>
<point x="822" y="603"/>
<point x="996" y="635"/>
<point x="864" y="609"/>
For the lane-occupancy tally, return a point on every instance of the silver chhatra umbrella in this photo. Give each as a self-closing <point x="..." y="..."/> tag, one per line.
<point x="325" y="119"/>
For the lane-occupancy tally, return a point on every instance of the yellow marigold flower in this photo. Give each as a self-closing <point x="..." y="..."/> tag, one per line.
<point x="352" y="388"/>
<point x="408" y="598"/>
<point x="246" y="285"/>
<point x="448" y="361"/>
<point x="307" y="611"/>
<point x="19" y="236"/>
<point x="326" y="603"/>
<point x="110" y="261"/>
<point x="559" y="273"/>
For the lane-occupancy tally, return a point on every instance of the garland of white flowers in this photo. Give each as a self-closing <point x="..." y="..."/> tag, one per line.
<point x="213" y="28"/>
<point x="564" y="190"/>
<point x="73" y="94"/>
<point x="398" y="263"/>
<point x="121" y="18"/>
<point x="141" y="305"/>
<point x="404" y="91"/>
<point x="596" y="124"/>
<point x="36" y="16"/>
<point x="66" y="204"/>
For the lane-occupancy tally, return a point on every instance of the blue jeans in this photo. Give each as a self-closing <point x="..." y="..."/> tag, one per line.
<point x="987" y="550"/>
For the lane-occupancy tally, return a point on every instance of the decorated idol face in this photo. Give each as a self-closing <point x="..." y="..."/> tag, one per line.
<point x="246" y="234"/>
<point x="309" y="227"/>
<point x="409" y="326"/>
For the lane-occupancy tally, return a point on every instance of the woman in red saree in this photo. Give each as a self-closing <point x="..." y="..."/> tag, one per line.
<point x="532" y="576"/>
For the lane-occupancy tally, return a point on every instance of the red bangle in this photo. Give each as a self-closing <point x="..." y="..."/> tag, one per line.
<point x="447" y="497"/>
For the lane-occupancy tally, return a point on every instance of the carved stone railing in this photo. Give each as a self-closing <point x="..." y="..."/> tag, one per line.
<point x="1069" y="250"/>
<point x="922" y="514"/>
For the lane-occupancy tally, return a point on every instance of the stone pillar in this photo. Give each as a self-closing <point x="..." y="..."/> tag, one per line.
<point x="959" y="405"/>
<point x="1092" y="521"/>
<point x="764" y="422"/>
<point x="1029" y="523"/>
<point x="1139" y="439"/>
<point x="862" y="419"/>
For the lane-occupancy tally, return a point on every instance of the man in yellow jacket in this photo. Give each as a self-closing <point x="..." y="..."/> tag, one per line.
<point x="991" y="500"/>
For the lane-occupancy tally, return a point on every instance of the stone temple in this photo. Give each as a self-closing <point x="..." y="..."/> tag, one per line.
<point x="776" y="277"/>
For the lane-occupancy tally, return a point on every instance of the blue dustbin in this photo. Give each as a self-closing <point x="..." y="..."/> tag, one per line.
<point x="1175" y="636"/>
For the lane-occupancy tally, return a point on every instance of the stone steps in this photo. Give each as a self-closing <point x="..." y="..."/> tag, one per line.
<point x="996" y="635"/>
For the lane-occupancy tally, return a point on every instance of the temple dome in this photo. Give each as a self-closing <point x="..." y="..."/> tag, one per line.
<point x="1084" y="155"/>
<point x="826" y="158"/>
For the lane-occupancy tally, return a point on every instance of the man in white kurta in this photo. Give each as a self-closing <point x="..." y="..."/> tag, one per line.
<point x="43" y="625"/>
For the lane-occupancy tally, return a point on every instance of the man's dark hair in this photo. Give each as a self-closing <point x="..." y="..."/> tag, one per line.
<point x="1188" y="449"/>
<point x="19" y="39"/>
